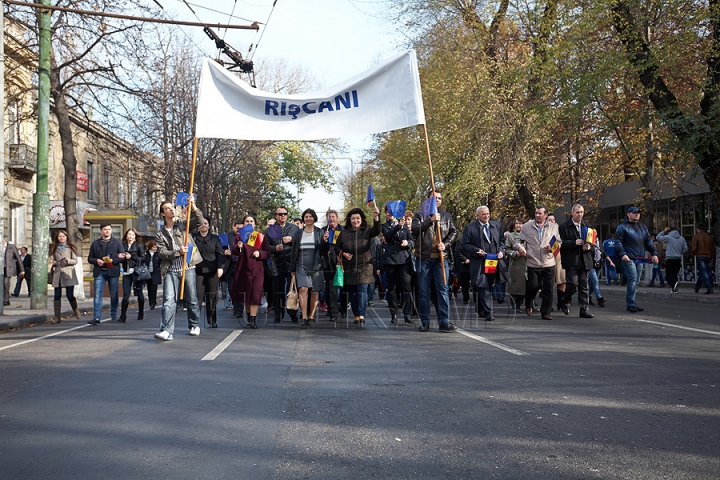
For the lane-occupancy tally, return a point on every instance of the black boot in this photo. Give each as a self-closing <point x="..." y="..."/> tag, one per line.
<point x="73" y="304"/>
<point x="123" y="311"/>
<point x="251" y="322"/>
<point x="56" y="304"/>
<point x="141" y="308"/>
<point x="601" y="302"/>
<point x="562" y="303"/>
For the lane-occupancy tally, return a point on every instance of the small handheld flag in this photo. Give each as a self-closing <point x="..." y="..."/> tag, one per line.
<point x="588" y="235"/>
<point x="491" y="261"/>
<point x="189" y="254"/>
<point x="397" y="208"/>
<point x="245" y="232"/>
<point x="255" y="239"/>
<point x="370" y="198"/>
<point x="332" y="236"/>
<point x="275" y="231"/>
<point x="429" y="207"/>
<point x="555" y="246"/>
<point x="224" y="241"/>
<point x="182" y="199"/>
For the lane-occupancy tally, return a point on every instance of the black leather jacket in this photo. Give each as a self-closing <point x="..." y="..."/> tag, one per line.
<point x="424" y="232"/>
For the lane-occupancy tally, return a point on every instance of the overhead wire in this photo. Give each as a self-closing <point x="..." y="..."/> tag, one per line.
<point x="253" y="47"/>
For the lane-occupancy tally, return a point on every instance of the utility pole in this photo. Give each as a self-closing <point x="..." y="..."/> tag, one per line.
<point x="41" y="199"/>
<point x="2" y="158"/>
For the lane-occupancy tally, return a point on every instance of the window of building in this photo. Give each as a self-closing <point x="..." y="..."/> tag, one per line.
<point x="106" y="185"/>
<point x="92" y="194"/>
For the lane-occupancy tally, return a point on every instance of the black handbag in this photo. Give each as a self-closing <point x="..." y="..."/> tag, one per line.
<point x="141" y="273"/>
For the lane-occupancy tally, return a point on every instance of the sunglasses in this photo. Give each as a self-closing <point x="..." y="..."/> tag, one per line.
<point x="282" y="214"/>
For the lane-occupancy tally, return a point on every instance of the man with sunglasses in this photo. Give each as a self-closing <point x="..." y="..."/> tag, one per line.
<point x="280" y="250"/>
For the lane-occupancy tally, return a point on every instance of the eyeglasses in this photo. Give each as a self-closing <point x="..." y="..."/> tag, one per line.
<point x="282" y="214"/>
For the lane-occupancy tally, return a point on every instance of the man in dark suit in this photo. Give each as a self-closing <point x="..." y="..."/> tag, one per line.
<point x="26" y="275"/>
<point x="577" y="259"/>
<point x="479" y="239"/>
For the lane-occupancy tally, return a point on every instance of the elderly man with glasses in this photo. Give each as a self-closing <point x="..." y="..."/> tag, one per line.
<point x="280" y="250"/>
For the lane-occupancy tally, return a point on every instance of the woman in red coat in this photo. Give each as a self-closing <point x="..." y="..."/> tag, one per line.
<point x="250" y="270"/>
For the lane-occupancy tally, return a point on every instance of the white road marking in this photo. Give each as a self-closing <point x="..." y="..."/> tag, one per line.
<point x="491" y="343"/>
<point x="678" y="326"/>
<point x="222" y="346"/>
<point x="50" y="335"/>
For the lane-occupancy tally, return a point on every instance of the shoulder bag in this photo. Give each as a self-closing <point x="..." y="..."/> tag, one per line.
<point x="141" y="273"/>
<point x="292" y="297"/>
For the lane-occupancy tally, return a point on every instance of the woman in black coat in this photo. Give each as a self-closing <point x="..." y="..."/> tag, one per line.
<point x="152" y="261"/>
<point x="306" y="265"/>
<point x="209" y="271"/>
<point x="134" y="254"/>
<point x="396" y="263"/>
<point x="354" y="243"/>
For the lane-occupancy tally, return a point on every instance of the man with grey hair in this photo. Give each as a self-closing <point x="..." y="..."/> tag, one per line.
<point x="576" y="257"/>
<point x="480" y="240"/>
<point x="535" y="243"/>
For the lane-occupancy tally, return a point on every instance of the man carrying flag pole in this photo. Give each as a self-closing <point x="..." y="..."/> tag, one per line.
<point x="431" y="248"/>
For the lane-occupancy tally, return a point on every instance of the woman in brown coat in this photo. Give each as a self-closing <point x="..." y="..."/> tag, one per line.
<point x="64" y="258"/>
<point x="356" y="257"/>
<point x="250" y="270"/>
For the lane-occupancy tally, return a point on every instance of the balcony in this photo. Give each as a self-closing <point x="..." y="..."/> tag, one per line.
<point x="22" y="158"/>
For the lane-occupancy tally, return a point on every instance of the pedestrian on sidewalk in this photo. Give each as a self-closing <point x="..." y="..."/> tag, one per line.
<point x="13" y="266"/>
<point x="106" y="254"/>
<point x="703" y="249"/>
<point x="64" y="258"/>
<point x="676" y="247"/>
<point x="26" y="275"/>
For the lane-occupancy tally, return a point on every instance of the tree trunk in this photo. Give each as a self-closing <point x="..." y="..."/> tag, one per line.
<point x="60" y="109"/>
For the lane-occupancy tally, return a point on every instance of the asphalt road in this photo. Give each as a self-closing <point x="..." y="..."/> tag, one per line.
<point x="611" y="397"/>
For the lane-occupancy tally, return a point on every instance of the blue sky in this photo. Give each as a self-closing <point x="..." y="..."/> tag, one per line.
<point x="332" y="39"/>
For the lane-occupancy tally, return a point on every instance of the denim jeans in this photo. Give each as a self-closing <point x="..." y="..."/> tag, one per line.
<point x="431" y="271"/>
<point x="358" y="298"/>
<point x="171" y="291"/>
<point x="703" y="273"/>
<point x="632" y="271"/>
<point x="610" y="272"/>
<point x="99" y="285"/>
<point x="594" y="283"/>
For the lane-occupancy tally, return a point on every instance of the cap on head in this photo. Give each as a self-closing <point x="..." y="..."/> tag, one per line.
<point x="633" y="210"/>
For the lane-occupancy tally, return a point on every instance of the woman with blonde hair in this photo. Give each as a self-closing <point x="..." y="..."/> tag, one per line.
<point x="64" y="258"/>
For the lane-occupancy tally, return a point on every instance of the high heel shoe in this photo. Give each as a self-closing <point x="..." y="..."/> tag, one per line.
<point x="357" y="320"/>
<point x="362" y="319"/>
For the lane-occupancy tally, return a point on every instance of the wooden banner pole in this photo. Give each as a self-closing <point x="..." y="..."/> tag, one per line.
<point x="432" y="185"/>
<point x="187" y="216"/>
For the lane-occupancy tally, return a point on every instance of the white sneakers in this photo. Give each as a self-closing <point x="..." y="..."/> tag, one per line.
<point x="164" y="335"/>
<point x="195" y="331"/>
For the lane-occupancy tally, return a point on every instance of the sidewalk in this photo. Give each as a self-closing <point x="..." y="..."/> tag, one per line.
<point x="19" y="314"/>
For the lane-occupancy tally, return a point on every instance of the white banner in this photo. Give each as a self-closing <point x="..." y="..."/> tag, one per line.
<point x="386" y="97"/>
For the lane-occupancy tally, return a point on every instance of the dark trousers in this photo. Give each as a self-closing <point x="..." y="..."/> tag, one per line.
<point x="536" y="278"/>
<point x="152" y="293"/>
<point x="672" y="268"/>
<point x="577" y="280"/>
<point x="464" y="284"/>
<point x="398" y="286"/>
<point x="69" y="293"/>
<point x="331" y="294"/>
<point x="128" y="283"/>
<point x="484" y="307"/>
<point x="207" y="285"/>
<point x="281" y="283"/>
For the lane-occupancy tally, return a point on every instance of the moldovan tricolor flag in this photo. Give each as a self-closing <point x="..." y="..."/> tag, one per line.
<point x="491" y="261"/>
<point x="386" y="97"/>
<point x="555" y="245"/>
<point x="589" y="235"/>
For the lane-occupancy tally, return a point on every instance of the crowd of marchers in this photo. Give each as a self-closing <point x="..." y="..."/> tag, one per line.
<point x="299" y="269"/>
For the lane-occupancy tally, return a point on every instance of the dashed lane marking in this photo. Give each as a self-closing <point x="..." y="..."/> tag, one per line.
<point x="50" y="335"/>
<point x="514" y="351"/>
<point x="222" y="346"/>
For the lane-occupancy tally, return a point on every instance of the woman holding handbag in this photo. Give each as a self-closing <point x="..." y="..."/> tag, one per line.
<point x="249" y="276"/>
<point x="134" y="255"/>
<point x="152" y="260"/>
<point x="306" y="265"/>
<point x="64" y="258"/>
